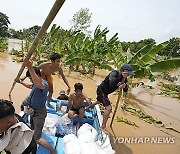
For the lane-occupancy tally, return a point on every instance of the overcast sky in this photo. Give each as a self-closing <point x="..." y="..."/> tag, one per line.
<point x="134" y="20"/>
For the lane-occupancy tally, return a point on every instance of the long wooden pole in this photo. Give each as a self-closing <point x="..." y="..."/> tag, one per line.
<point x="54" y="10"/>
<point x="117" y="104"/>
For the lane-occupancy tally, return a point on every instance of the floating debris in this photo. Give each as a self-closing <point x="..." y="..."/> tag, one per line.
<point x="139" y="113"/>
<point x="121" y="119"/>
<point x="170" y="90"/>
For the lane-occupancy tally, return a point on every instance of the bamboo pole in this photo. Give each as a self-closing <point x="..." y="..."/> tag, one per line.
<point x="54" y="10"/>
<point x="117" y="104"/>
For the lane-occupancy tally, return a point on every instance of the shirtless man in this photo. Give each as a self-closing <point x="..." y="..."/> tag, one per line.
<point x="75" y="105"/>
<point x="47" y="69"/>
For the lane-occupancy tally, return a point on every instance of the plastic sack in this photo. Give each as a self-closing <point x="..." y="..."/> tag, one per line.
<point x="70" y="144"/>
<point x="87" y="133"/>
<point x="64" y="119"/>
<point x="50" y="124"/>
<point x="91" y="148"/>
<point x="62" y="128"/>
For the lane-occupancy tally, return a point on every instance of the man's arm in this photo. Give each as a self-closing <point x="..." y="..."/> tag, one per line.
<point x="36" y="80"/>
<point x="87" y="100"/>
<point x="25" y="84"/>
<point x="91" y="105"/>
<point x="64" y="79"/>
<point x="69" y="104"/>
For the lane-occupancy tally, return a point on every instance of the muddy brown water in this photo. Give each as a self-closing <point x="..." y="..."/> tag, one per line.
<point x="161" y="108"/>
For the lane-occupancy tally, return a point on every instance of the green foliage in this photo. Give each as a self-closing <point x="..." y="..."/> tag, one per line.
<point x="139" y="113"/>
<point x="15" y="34"/>
<point x="29" y="33"/>
<point x="82" y="20"/>
<point x="170" y="90"/>
<point x="172" y="49"/>
<point x="165" y="65"/>
<point x="136" y="46"/>
<point x="144" y="65"/>
<point x="4" y="22"/>
<point x="147" y="118"/>
<point x="3" y="44"/>
<point x="83" y="53"/>
<point x="33" y="31"/>
<point x="91" y="53"/>
<point x="126" y="121"/>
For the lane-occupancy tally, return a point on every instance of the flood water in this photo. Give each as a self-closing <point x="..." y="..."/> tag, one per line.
<point x="161" y="108"/>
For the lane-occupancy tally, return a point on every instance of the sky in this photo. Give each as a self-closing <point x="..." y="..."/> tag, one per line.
<point x="133" y="20"/>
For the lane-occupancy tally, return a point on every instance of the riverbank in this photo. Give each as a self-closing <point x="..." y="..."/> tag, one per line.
<point x="160" y="108"/>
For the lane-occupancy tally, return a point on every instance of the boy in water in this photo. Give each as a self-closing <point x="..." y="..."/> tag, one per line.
<point x="75" y="105"/>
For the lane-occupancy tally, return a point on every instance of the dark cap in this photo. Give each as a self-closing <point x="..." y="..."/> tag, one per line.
<point x="128" y="68"/>
<point x="62" y="92"/>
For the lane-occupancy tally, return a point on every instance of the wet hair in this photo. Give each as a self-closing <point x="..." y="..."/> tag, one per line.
<point x="55" y="56"/>
<point x="37" y="71"/>
<point x="6" y="108"/>
<point x="78" y="86"/>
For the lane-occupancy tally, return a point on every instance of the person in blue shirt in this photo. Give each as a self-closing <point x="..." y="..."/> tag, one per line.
<point x="116" y="79"/>
<point x="37" y="102"/>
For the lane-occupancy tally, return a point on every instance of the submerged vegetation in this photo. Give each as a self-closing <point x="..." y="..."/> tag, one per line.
<point x="139" y="113"/>
<point x="170" y="90"/>
<point x="168" y="77"/>
<point x="147" y="118"/>
<point x="3" y="44"/>
<point x="121" y="119"/>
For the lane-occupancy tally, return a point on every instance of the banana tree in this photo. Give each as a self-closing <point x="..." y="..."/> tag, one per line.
<point x="144" y="65"/>
<point x="91" y="53"/>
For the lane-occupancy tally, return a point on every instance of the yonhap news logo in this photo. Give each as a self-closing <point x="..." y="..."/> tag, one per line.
<point x="144" y="140"/>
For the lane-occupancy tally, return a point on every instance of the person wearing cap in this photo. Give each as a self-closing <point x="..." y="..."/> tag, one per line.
<point x="37" y="103"/>
<point x="15" y="136"/>
<point x="62" y="95"/>
<point x="116" y="79"/>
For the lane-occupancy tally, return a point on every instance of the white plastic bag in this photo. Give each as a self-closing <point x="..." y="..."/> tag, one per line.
<point x="70" y="144"/>
<point x="87" y="133"/>
<point x="64" y="119"/>
<point x="50" y="124"/>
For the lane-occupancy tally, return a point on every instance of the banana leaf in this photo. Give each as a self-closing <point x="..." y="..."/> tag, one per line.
<point x="151" y="53"/>
<point x="140" y="53"/>
<point x="165" y="65"/>
<point x="113" y="39"/>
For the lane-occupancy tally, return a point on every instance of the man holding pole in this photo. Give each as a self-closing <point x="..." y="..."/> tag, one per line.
<point x="37" y="107"/>
<point x="116" y="79"/>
